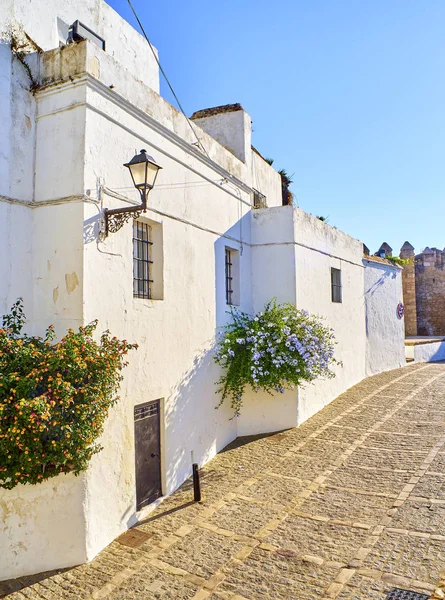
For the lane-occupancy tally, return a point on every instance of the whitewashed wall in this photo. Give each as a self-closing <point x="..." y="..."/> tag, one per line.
<point x="293" y="253"/>
<point x="320" y="247"/>
<point x="429" y="352"/>
<point x="385" y="332"/>
<point x="42" y="527"/>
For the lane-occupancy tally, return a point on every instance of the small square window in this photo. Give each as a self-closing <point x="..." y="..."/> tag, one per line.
<point x="232" y="276"/>
<point x="336" y="285"/>
<point x="259" y="199"/>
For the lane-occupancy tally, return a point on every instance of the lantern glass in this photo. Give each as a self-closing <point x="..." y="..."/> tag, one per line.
<point x="137" y="171"/>
<point x="152" y="171"/>
<point x="143" y="169"/>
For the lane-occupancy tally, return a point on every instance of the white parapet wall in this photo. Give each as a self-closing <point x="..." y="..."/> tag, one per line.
<point x="429" y="352"/>
<point x="42" y="527"/>
<point x="425" y="349"/>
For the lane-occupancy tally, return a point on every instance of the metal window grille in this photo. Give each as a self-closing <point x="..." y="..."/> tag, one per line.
<point x="142" y="260"/>
<point x="259" y="199"/>
<point x="229" y="277"/>
<point x="336" y="285"/>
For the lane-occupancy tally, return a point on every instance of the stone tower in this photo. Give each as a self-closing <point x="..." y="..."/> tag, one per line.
<point x="384" y="251"/>
<point x="409" y="289"/>
<point x="430" y="291"/>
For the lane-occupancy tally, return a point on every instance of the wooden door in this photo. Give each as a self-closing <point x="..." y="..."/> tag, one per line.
<point x="147" y="435"/>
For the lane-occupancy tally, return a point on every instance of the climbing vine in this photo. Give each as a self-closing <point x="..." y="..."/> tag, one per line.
<point x="274" y="350"/>
<point x="54" y="398"/>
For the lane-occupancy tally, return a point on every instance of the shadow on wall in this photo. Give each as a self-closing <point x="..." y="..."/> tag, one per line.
<point x="378" y="284"/>
<point x="91" y="229"/>
<point x="192" y="416"/>
<point x="191" y="413"/>
<point x="375" y="287"/>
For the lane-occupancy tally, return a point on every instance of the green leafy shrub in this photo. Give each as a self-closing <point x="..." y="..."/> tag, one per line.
<point x="274" y="350"/>
<point x="396" y="260"/>
<point x="54" y="398"/>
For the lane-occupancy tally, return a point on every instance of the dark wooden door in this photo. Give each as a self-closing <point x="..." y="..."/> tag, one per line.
<point x="147" y="453"/>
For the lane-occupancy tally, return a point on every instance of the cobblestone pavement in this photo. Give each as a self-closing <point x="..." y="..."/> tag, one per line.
<point x="348" y="506"/>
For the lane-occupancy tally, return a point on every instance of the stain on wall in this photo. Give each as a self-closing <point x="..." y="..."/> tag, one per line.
<point x="71" y="281"/>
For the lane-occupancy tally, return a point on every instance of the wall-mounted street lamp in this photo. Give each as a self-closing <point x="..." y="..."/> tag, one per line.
<point x="143" y="170"/>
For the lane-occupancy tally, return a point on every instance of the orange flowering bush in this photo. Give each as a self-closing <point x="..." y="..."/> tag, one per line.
<point x="54" y="398"/>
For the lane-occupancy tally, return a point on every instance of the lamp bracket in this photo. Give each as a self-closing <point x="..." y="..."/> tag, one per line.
<point x="116" y="218"/>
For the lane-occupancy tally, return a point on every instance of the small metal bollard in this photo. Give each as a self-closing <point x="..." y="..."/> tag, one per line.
<point x="196" y="484"/>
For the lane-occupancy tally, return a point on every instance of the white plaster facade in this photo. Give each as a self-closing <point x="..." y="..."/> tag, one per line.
<point x="61" y="164"/>
<point x="385" y="336"/>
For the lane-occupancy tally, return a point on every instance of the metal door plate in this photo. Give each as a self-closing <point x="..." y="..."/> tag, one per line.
<point x="133" y="538"/>
<point x="399" y="594"/>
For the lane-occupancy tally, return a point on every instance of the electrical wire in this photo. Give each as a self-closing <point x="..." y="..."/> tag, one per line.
<point x="166" y="79"/>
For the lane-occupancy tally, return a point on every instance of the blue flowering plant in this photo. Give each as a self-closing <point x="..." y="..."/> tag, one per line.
<point x="274" y="350"/>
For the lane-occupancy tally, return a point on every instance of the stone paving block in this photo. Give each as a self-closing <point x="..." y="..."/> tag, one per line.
<point x="322" y="449"/>
<point x="273" y="576"/>
<point x="388" y="459"/>
<point x="242" y="517"/>
<point x="417" y="426"/>
<point x="362" y="420"/>
<point x="302" y="466"/>
<point x="438" y="464"/>
<point x="431" y="486"/>
<point x="366" y="588"/>
<point x="400" y="441"/>
<point x="337" y="433"/>
<point x="202" y="552"/>
<point x="408" y="413"/>
<point x="428" y="400"/>
<point x="151" y="584"/>
<point x="168" y="519"/>
<point x="420" y="516"/>
<point x="325" y="540"/>
<point x="276" y="489"/>
<point x="346" y="506"/>
<point x="419" y="559"/>
<point x="369" y="480"/>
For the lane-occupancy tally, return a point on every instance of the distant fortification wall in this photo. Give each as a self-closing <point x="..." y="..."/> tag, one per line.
<point x="423" y="280"/>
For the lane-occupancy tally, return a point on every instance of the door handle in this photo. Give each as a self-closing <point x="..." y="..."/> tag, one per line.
<point x="153" y="455"/>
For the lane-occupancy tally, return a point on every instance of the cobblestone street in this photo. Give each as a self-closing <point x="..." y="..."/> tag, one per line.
<point x="350" y="505"/>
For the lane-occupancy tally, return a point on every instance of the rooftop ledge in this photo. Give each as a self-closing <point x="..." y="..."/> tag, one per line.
<point x="416" y="340"/>
<point x="74" y="61"/>
<point x="382" y="261"/>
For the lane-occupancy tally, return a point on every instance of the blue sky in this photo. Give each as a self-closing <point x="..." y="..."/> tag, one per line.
<point x="346" y="95"/>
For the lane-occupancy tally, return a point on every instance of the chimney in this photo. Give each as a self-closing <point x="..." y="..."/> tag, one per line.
<point x="229" y="125"/>
<point x="409" y="289"/>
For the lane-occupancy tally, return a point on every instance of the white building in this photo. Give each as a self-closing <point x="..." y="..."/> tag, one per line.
<point x="72" y="115"/>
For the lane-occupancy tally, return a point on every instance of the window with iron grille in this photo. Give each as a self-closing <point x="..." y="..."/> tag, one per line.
<point x="232" y="275"/>
<point x="142" y="260"/>
<point x="229" y="276"/>
<point x="336" y="285"/>
<point x="259" y="199"/>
